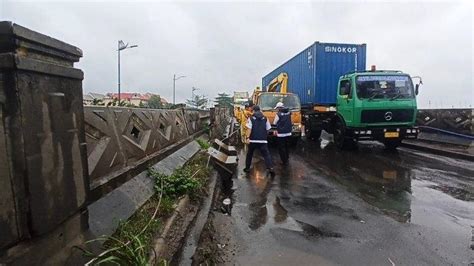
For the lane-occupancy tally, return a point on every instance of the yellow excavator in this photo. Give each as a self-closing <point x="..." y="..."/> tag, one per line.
<point x="277" y="91"/>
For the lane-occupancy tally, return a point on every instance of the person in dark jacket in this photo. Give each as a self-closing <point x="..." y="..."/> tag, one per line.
<point x="259" y="126"/>
<point x="283" y="132"/>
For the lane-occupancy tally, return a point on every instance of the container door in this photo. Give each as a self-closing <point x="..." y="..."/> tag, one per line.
<point x="345" y="101"/>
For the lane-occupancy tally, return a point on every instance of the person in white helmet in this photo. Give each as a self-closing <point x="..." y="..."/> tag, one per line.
<point x="283" y="132"/>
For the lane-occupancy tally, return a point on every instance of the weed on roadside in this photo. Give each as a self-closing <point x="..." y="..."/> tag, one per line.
<point x="203" y="143"/>
<point x="131" y="243"/>
<point x="187" y="180"/>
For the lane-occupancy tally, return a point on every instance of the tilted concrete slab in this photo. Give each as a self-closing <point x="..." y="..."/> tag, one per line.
<point x="229" y="150"/>
<point x="222" y="157"/>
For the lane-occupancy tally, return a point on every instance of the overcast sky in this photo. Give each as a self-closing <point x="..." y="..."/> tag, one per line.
<point x="226" y="47"/>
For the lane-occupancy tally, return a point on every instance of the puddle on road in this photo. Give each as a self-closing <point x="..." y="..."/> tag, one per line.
<point x="384" y="179"/>
<point x="399" y="184"/>
<point x="263" y="209"/>
<point x="267" y="213"/>
<point x="275" y="217"/>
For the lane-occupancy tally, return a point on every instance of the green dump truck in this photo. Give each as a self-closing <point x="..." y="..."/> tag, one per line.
<point x="339" y="96"/>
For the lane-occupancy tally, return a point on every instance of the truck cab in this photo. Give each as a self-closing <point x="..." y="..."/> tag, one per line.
<point x="267" y="102"/>
<point x="277" y="91"/>
<point x="375" y="105"/>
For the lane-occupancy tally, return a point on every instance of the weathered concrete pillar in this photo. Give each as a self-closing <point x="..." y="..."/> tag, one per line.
<point x="43" y="166"/>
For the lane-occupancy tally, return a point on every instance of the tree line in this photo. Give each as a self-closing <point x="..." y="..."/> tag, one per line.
<point x="197" y="101"/>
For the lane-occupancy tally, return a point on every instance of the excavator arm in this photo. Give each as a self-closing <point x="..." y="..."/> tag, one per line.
<point x="282" y="80"/>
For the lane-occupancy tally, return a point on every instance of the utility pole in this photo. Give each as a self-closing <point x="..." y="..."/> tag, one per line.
<point x="118" y="49"/>
<point x="121" y="46"/>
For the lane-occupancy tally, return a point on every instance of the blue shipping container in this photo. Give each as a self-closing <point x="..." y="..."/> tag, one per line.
<point x="313" y="73"/>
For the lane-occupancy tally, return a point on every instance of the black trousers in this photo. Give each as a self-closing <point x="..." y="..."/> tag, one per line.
<point x="283" y="143"/>
<point x="263" y="148"/>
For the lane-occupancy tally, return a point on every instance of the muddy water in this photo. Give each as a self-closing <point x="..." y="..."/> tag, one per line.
<point x="367" y="206"/>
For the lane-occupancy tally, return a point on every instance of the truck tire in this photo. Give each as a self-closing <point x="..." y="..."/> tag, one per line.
<point x="340" y="138"/>
<point x="392" y="144"/>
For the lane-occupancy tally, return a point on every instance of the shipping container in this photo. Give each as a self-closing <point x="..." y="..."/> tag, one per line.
<point x="313" y="74"/>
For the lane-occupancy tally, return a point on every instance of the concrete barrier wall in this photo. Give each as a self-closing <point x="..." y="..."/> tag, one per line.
<point x="52" y="151"/>
<point x="118" y="137"/>
<point x="121" y="141"/>
<point x="43" y="166"/>
<point x="455" y="120"/>
<point x="220" y="120"/>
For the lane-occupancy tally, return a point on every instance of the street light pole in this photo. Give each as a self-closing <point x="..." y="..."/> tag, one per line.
<point x="118" y="51"/>
<point x="121" y="46"/>
<point x="174" y="86"/>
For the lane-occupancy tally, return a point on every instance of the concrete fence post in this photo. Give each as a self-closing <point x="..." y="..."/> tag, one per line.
<point x="43" y="166"/>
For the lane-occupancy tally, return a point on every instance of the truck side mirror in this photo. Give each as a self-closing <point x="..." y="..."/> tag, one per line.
<point x="417" y="86"/>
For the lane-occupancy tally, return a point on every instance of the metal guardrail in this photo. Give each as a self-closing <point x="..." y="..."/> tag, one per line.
<point x="458" y="121"/>
<point x="446" y="132"/>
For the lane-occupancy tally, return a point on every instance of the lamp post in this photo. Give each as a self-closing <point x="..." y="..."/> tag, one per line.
<point x="174" y="87"/>
<point x="121" y="46"/>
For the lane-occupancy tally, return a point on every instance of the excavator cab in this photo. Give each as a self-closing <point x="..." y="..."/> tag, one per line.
<point x="277" y="91"/>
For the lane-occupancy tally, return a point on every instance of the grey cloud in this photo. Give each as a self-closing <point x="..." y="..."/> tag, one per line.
<point x="230" y="46"/>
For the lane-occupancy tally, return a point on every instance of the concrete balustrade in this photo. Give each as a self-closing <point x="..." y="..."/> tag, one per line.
<point x="57" y="157"/>
<point x="121" y="142"/>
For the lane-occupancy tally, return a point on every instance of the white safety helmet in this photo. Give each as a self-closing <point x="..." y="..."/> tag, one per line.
<point x="279" y="105"/>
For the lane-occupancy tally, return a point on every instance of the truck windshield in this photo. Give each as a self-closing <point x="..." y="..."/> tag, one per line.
<point x="384" y="87"/>
<point x="268" y="101"/>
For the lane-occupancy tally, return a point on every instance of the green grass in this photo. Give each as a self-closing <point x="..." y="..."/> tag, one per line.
<point x="132" y="241"/>
<point x="203" y="143"/>
<point x="189" y="179"/>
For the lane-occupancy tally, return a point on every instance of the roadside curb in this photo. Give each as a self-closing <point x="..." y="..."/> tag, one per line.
<point x="193" y="235"/>
<point x="160" y="245"/>
<point x="446" y="153"/>
<point x="181" y="221"/>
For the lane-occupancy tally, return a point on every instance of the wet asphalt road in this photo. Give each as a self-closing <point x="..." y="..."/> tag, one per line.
<point x="362" y="207"/>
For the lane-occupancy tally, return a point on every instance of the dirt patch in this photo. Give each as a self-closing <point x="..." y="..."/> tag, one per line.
<point x="207" y="252"/>
<point x="176" y="234"/>
<point x="217" y="244"/>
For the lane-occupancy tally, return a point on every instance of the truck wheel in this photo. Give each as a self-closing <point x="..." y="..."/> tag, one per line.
<point x="392" y="144"/>
<point x="340" y="139"/>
